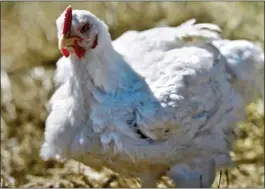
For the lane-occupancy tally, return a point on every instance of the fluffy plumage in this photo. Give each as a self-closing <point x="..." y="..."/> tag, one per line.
<point x="164" y="100"/>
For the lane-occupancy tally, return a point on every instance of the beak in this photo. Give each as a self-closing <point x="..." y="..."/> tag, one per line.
<point x="67" y="42"/>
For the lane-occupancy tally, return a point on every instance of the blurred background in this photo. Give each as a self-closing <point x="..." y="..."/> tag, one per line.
<point x="28" y="56"/>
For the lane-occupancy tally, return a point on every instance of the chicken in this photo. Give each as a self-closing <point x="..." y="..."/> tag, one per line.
<point x="161" y="101"/>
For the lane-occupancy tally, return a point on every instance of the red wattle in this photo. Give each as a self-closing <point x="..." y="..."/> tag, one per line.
<point x="65" y="52"/>
<point x="79" y="51"/>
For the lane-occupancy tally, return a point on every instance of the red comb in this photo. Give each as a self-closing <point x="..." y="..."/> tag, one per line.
<point x="67" y="20"/>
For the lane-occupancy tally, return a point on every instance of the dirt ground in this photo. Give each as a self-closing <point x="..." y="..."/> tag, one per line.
<point x="28" y="55"/>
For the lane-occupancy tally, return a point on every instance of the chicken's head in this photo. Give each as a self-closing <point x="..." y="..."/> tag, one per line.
<point x="80" y="31"/>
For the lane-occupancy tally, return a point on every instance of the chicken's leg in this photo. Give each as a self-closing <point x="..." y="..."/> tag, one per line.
<point x="200" y="175"/>
<point x="148" y="180"/>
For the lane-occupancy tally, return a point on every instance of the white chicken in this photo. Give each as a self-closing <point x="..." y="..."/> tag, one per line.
<point x="161" y="101"/>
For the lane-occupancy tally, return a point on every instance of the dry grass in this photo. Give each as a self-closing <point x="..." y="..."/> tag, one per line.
<point x="29" y="43"/>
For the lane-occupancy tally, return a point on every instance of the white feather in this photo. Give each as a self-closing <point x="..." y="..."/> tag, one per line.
<point x="169" y="83"/>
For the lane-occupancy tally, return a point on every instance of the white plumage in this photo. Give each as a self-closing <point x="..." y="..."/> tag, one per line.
<point x="164" y="100"/>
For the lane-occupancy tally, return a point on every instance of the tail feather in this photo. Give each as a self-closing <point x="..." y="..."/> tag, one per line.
<point x="190" y="30"/>
<point x="245" y="66"/>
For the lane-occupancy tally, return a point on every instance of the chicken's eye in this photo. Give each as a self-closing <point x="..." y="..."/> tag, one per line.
<point x="85" y="28"/>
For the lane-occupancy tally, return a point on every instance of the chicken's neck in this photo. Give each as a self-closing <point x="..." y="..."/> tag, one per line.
<point x="104" y="69"/>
